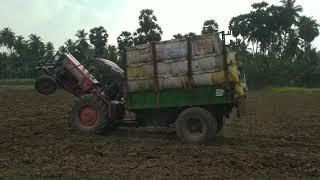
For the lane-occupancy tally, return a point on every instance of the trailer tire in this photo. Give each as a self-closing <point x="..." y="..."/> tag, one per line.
<point x="89" y="114"/>
<point x="45" y="85"/>
<point x="196" y="119"/>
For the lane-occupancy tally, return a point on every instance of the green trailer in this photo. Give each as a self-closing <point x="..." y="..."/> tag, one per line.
<point x="197" y="111"/>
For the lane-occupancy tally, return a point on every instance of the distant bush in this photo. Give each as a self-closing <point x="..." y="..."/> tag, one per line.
<point x="16" y="82"/>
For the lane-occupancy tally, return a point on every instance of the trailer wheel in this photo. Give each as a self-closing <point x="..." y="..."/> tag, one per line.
<point x="45" y="85"/>
<point x="89" y="114"/>
<point x="196" y="125"/>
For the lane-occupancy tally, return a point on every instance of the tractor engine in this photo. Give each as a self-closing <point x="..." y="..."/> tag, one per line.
<point x="66" y="72"/>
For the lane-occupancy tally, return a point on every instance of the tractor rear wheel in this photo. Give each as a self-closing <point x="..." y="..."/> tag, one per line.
<point x="89" y="114"/>
<point x="196" y="125"/>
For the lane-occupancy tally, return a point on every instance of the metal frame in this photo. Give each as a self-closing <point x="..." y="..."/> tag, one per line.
<point x="155" y="72"/>
<point x="189" y="73"/>
<point x="124" y="64"/>
<point x="225" y="61"/>
<point x="228" y="84"/>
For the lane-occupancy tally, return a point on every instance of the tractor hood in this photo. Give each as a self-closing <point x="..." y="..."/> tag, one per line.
<point x="105" y="70"/>
<point x="107" y="73"/>
<point x="108" y="65"/>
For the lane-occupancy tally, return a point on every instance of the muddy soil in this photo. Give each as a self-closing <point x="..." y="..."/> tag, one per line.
<point x="278" y="138"/>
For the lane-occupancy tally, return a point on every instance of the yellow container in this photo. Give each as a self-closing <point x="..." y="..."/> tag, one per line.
<point x="218" y="77"/>
<point x="233" y="73"/>
<point x="238" y="90"/>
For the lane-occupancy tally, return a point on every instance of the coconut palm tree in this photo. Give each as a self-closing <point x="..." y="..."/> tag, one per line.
<point x="292" y="7"/>
<point x="35" y="43"/>
<point x="82" y="48"/>
<point x="70" y="46"/>
<point x="82" y="36"/>
<point x="7" y="38"/>
<point x="20" y="46"/>
<point x="308" y="28"/>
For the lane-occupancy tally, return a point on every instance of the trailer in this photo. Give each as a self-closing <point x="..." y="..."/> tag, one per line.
<point x="193" y="83"/>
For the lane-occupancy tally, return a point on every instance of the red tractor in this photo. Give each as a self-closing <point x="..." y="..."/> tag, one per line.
<point x="100" y="105"/>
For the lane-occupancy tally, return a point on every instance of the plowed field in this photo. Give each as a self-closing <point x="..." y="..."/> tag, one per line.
<point x="278" y="138"/>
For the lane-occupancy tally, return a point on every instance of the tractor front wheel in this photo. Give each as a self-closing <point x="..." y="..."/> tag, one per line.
<point x="89" y="114"/>
<point x="45" y="85"/>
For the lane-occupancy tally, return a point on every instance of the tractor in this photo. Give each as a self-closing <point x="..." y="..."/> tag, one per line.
<point x="107" y="94"/>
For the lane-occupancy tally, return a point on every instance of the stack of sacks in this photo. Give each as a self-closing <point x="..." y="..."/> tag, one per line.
<point x="207" y="64"/>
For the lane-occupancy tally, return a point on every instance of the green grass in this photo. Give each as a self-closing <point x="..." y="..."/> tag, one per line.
<point x="295" y="90"/>
<point x="16" y="82"/>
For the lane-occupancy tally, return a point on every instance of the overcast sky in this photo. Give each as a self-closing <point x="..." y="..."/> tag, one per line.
<point x="58" y="20"/>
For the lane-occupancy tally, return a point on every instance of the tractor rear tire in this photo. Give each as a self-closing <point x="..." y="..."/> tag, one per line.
<point x="45" y="85"/>
<point x="89" y="114"/>
<point x="195" y="118"/>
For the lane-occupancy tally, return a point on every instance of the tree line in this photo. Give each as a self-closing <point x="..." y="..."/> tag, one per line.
<point x="279" y="42"/>
<point x="273" y="44"/>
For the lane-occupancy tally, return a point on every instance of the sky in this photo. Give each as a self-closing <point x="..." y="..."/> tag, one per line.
<point x="58" y="20"/>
